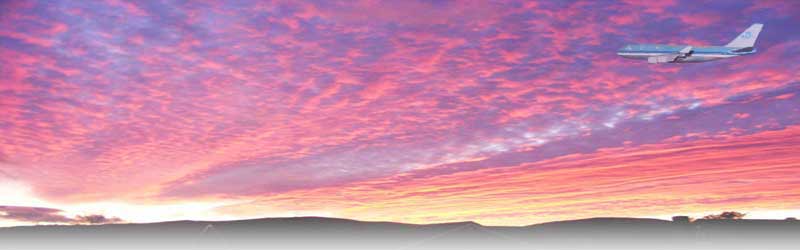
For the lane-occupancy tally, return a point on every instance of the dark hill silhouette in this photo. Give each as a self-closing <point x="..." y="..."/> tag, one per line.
<point x="333" y="233"/>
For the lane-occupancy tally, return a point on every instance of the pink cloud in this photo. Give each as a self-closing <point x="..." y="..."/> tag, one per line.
<point x="699" y="20"/>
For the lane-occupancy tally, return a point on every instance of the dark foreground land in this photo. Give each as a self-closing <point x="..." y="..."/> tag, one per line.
<point x="328" y="233"/>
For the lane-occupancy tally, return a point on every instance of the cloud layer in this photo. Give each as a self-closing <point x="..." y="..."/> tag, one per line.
<point x="707" y="173"/>
<point x="50" y="215"/>
<point x="152" y="102"/>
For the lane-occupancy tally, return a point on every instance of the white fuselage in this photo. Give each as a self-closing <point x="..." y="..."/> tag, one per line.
<point x="697" y="54"/>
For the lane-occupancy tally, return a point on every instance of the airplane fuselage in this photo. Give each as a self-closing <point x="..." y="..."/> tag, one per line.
<point x="697" y="54"/>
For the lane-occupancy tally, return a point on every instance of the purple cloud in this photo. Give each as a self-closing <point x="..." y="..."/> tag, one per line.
<point x="51" y="215"/>
<point x="33" y="214"/>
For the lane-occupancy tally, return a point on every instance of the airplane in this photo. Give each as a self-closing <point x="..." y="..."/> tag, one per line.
<point x="659" y="53"/>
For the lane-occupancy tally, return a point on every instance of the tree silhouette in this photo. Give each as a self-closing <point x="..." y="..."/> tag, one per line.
<point x="96" y="219"/>
<point x="729" y="215"/>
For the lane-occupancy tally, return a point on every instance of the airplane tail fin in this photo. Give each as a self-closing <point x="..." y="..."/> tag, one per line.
<point x="747" y="38"/>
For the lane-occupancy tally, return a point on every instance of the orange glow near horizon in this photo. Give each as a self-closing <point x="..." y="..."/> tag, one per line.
<point x="750" y="173"/>
<point x="753" y="174"/>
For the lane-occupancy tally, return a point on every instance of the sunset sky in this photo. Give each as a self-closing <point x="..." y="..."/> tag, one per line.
<point x="503" y="113"/>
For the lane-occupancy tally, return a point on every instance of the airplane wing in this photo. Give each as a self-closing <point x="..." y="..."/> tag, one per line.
<point x="683" y="53"/>
<point x="686" y="50"/>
